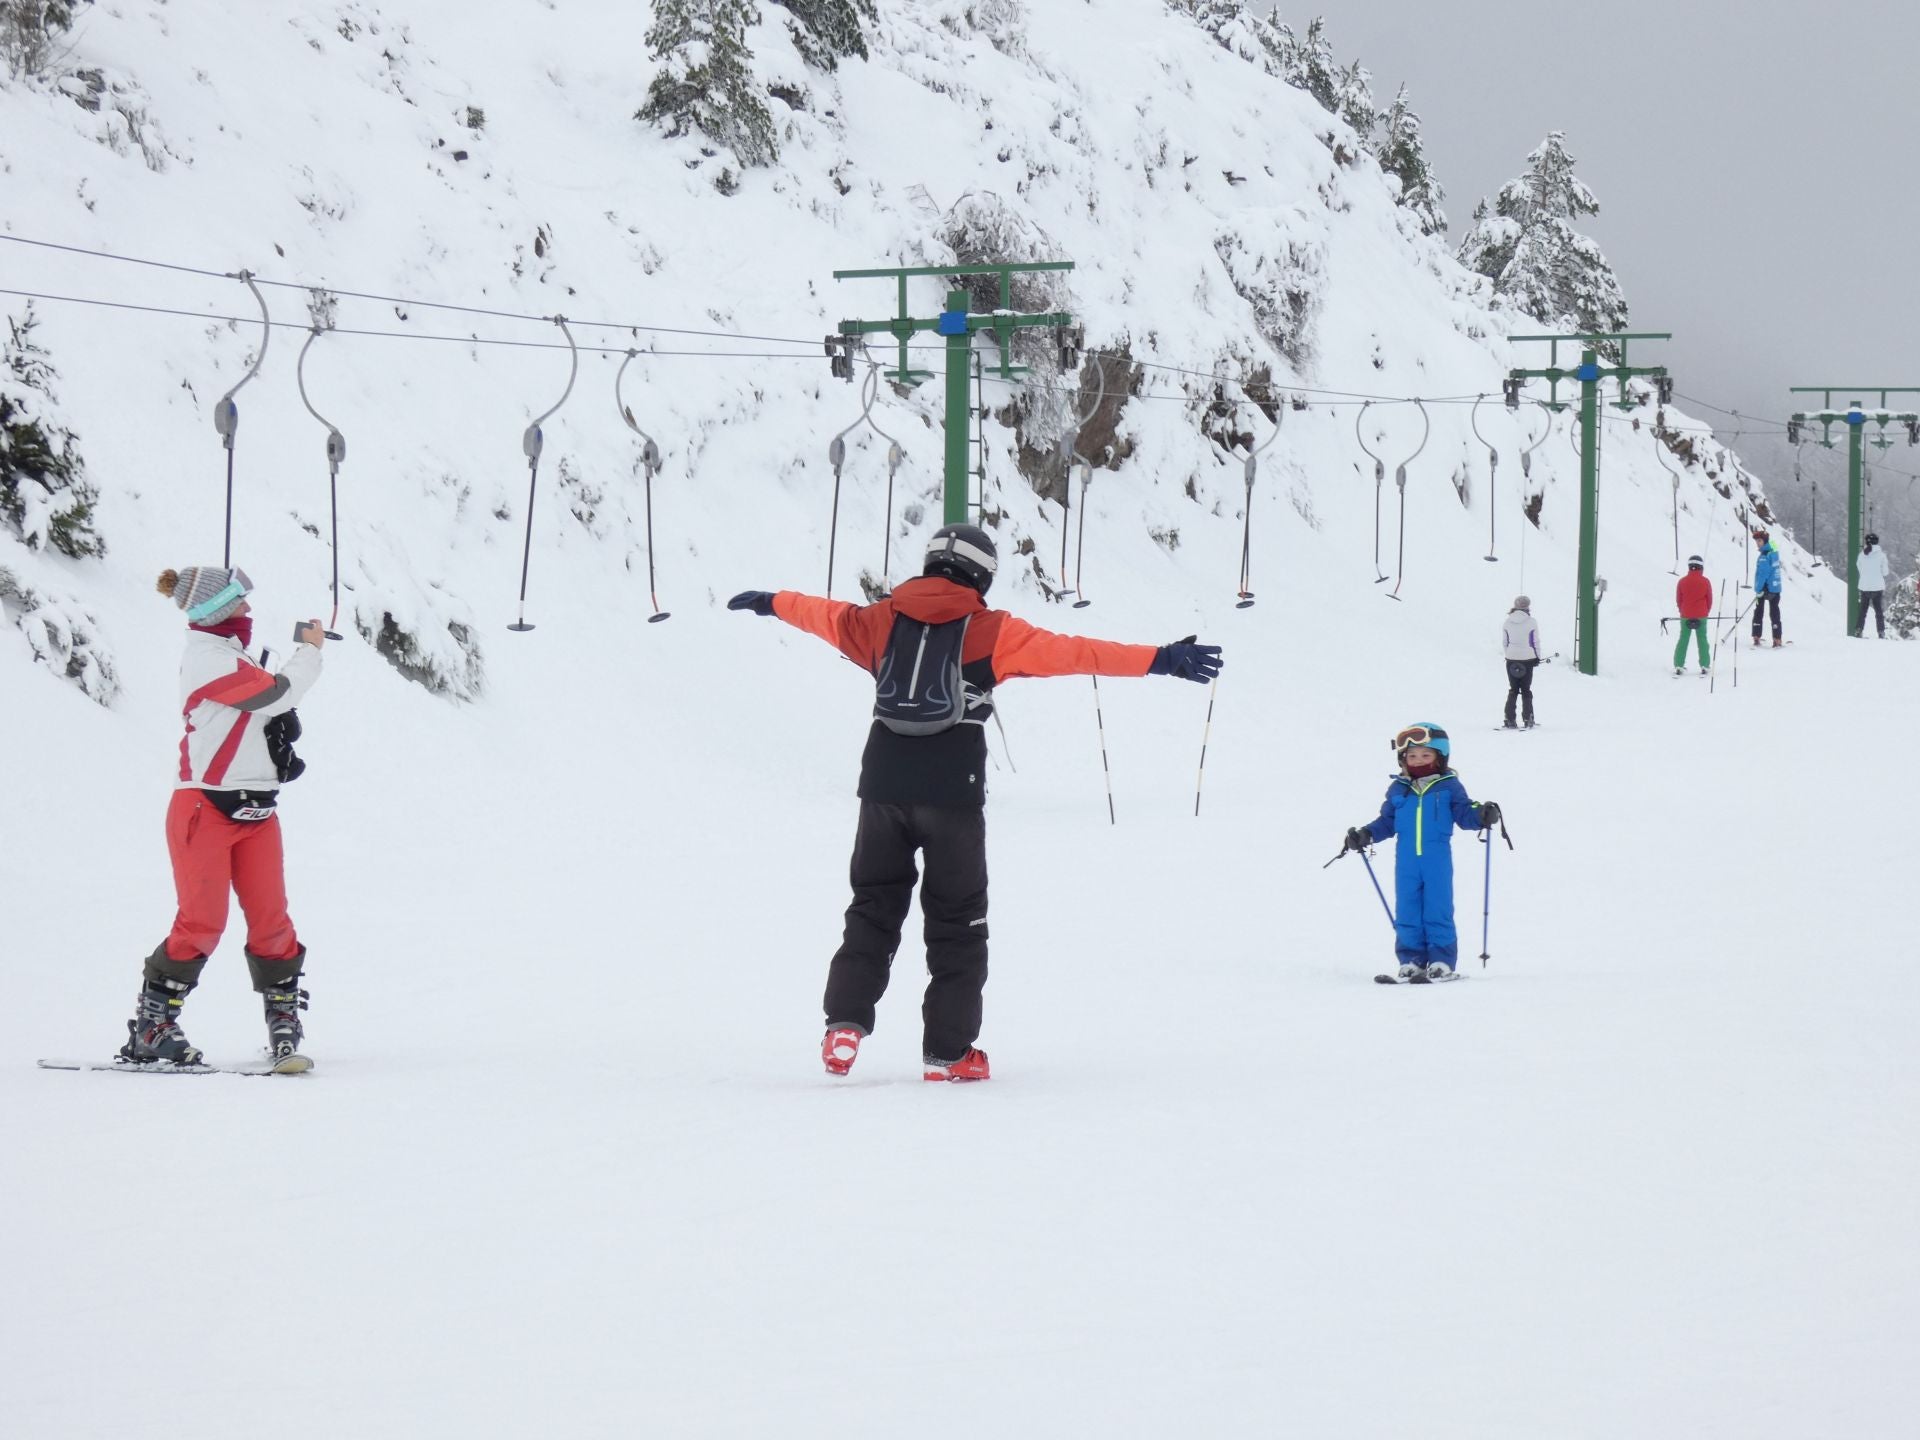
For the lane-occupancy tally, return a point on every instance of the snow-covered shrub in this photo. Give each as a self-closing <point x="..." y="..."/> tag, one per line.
<point x="1282" y="277"/>
<point x="1001" y="23"/>
<point x="62" y="634"/>
<point x="452" y="666"/>
<point x="1537" y="261"/>
<point x="1903" y="604"/>
<point x="45" y="497"/>
<point x="31" y="33"/>
<point x="706" y="83"/>
<point x="1258" y="41"/>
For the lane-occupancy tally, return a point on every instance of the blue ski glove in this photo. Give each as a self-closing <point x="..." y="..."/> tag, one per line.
<point x="760" y="602"/>
<point x="1185" y="660"/>
<point x="1489" y="814"/>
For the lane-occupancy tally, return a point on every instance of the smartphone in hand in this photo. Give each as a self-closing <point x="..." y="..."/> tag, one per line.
<point x="307" y="632"/>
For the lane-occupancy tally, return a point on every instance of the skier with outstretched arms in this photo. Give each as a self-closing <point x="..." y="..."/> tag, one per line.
<point x="223" y="823"/>
<point x="936" y="652"/>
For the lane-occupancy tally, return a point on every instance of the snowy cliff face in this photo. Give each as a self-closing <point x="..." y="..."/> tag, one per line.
<point x="1221" y="222"/>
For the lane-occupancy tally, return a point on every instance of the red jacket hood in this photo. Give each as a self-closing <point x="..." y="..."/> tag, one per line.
<point x="934" y="599"/>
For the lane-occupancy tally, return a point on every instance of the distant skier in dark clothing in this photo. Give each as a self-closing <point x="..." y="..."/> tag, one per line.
<point x="1424" y="804"/>
<point x="1766" y="585"/>
<point x="1520" y="644"/>
<point x="936" y="652"/>
<point x="1694" y="595"/>
<point x="1870" y="570"/>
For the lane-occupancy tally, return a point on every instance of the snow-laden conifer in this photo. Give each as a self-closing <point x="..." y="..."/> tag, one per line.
<point x="706" y="81"/>
<point x="827" y="31"/>
<point x="45" y="496"/>
<point x="1537" y="261"/>
<point x="1402" y="154"/>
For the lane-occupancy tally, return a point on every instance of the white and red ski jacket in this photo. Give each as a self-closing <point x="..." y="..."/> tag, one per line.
<point x="225" y="701"/>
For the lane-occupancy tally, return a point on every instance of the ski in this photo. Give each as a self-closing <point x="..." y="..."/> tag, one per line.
<point x="291" y="1065"/>
<point x="1417" y="980"/>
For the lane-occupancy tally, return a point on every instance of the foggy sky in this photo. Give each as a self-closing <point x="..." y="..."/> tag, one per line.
<point x="1754" y="162"/>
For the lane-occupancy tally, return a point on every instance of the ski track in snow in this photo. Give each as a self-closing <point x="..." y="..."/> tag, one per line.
<point x="568" y="1164"/>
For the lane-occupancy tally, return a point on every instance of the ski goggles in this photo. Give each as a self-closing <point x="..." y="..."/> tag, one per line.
<point x="1417" y="735"/>
<point x="235" y="589"/>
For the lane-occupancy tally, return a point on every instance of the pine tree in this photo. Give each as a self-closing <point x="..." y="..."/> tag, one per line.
<point x="1353" y="92"/>
<point x="706" y="81"/>
<point x="1310" y="64"/>
<point x="45" y="497"/>
<point x="1537" y="261"/>
<point x="1402" y="154"/>
<point x="827" y="31"/>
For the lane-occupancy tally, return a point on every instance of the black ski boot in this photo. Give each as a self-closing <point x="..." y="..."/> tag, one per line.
<point x="154" y="1036"/>
<point x="278" y="982"/>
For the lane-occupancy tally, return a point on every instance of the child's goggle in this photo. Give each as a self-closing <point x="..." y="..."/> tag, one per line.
<point x="1417" y="735"/>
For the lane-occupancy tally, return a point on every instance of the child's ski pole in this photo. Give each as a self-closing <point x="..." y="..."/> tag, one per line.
<point x="1371" y="876"/>
<point x="1365" y="860"/>
<point x="1486" y="894"/>
<point x="1486" y="897"/>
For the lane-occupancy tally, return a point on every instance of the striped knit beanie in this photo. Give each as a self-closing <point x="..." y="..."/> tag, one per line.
<point x="208" y="593"/>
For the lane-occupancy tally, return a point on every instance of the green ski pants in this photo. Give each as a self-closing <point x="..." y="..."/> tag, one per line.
<point x="1691" y="627"/>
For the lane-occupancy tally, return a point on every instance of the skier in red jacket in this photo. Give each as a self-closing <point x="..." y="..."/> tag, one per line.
<point x="1694" y="596"/>
<point x="936" y="652"/>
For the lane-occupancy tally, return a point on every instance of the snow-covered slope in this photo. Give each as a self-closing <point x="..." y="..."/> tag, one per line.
<point x="568" y="1163"/>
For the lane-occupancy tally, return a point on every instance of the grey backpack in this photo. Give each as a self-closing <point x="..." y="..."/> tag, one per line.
<point x="919" y="688"/>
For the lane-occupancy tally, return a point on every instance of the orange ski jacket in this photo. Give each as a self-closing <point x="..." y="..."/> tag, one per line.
<point x="948" y="769"/>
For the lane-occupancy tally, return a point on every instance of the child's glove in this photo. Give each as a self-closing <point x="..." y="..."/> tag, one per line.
<point x="1357" y="839"/>
<point x="1489" y="814"/>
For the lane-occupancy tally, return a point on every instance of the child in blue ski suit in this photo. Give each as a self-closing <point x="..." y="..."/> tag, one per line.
<point x="1424" y="804"/>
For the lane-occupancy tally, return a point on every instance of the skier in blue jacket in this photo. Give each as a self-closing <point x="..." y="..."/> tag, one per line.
<point x="1766" y="585"/>
<point x="1425" y="803"/>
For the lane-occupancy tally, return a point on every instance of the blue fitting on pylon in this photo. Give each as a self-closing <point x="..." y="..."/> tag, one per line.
<point x="1588" y="372"/>
<point x="1854" y="417"/>
<point x="952" y="322"/>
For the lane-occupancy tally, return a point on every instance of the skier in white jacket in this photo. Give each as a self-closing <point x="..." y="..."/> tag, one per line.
<point x="1520" y="644"/>
<point x="1871" y="569"/>
<point x="223" y="828"/>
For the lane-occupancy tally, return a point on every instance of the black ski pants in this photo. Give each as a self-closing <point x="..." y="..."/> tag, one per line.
<point x="1760" y="603"/>
<point x="1520" y="687"/>
<point x="953" y="899"/>
<point x="1872" y="599"/>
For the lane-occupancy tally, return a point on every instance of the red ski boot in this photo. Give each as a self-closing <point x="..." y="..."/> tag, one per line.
<point x="970" y="1066"/>
<point x="838" y="1049"/>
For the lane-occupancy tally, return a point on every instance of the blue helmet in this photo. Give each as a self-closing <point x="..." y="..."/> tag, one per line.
<point x="1425" y="733"/>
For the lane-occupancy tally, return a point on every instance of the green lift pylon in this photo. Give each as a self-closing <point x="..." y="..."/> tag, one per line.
<point x="1855" y="417"/>
<point x="959" y="327"/>
<point x="1590" y="372"/>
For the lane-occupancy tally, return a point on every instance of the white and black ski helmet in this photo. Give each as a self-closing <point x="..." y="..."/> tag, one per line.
<point x="964" y="553"/>
<point x="1694" y="562"/>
